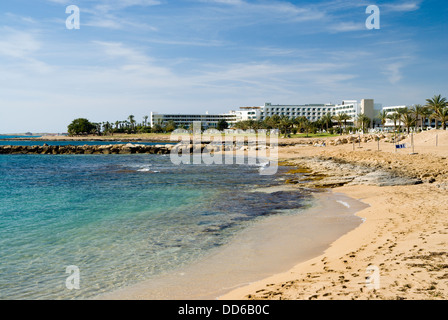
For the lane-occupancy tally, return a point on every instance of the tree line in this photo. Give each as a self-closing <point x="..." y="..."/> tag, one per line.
<point x="416" y="117"/>
<point x="419" y="116"/>
<point x="82" y="126"/>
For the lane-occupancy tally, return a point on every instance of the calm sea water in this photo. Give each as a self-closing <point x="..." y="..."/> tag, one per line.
<point x="120" y="219"/>
<point x="4" y="141"/>
<point x="11" y="137"/>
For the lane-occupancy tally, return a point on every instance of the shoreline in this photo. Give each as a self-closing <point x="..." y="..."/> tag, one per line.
<point x="404" y="234"/>
<point x="409" y="268"/>
<point x="254" y="253"/>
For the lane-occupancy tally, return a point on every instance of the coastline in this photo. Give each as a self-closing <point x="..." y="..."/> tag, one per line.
<point x="255" y="253"/>
<point x="117" y="137"/>
<point x="411" y="257"/>
<point x="404" y="234"/>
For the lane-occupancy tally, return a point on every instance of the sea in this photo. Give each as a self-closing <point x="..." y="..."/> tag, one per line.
<point x="117" y="220"/>
<point x="9" y="141"/>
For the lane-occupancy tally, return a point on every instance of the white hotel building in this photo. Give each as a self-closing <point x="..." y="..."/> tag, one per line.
<point x="312" y="112"/>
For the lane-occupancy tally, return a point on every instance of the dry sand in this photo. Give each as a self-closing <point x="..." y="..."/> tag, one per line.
<point x="405" y="230"/>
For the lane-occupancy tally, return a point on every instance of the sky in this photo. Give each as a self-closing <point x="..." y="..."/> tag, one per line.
<point x="132" y="57"/>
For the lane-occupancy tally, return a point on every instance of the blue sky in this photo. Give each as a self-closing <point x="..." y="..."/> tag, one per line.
<point x="193" y="56"/>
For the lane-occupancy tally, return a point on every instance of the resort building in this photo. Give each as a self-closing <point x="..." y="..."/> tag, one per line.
<point x="313" y="112"/>
<point x="354" y="108"/>
<point x="249" y="113"/>
<point x="185" y="120"/>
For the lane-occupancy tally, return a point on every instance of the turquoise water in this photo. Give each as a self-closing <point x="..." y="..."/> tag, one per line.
<point x="5" y="142"/>
<point x="12" y="137"/>
<point x="120" y="219"/>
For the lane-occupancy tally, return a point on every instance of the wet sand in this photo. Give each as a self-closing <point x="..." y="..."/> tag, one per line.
<point x="405" y="233"/>
<point x="271" y="245"/>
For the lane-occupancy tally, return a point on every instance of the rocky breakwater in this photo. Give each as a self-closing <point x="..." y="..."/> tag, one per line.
<point x="88" y="149"/>
<point x="180" y="148"/>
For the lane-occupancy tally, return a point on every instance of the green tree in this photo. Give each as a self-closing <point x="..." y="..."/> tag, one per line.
<point x="363" y="121"/>
<point x="327" y="120"/>
<point x="170" y="126"/>
<point x="273" y="122"/>
<point x="437" y="104"/>
<point x="285" y="125"/>
<point x="382" y="116"/>
<point x="395" y="117"/>
<point x="417" y="111"/>
<point x="306" y="125"/>
<point x="426" y="114"/>
<point x="442" y="116"/>
<point x="81" y="126"/>
<point x="408" y="119"/>
<point x="157" y="128"/>
<point x="342" y="118"/>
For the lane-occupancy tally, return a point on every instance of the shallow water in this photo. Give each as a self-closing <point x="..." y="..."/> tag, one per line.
<point x="120" y="219"/>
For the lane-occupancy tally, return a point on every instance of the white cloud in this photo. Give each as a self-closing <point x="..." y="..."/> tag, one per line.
<point x="17" y="44"/>
<point x="402" y="7"/>
<point x="346" y="27"/>
<point x="393" y="72"/>
<point x="59" y="1"/>
<point x="269" y="10"/>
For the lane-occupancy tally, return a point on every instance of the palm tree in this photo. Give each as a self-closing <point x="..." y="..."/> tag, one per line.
<point x="145" y="121"/>
<point x="408" y="119"/>
<point x="442" y="116"/>
<point x="395" y="117"/>
<point x="131" y="122"/>
<point x="426" y="114"/>
<point x="383" y="116"/>
<point x="436" y="104"/>
<point x="363" y="121"/>
<point x="339" y="118"/>
<point x="267" y="123"/>
<point x="305" y="124"/>
<point x="345" y="118"/>
<point x="285" y="125"/>
<point x="327" y="120"/>
<point x="417" y="111"/>
<point x="274" y="121"/>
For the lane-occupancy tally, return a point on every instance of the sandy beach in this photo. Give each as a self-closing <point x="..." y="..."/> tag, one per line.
<point x="271" y="245"/>
<point x="404" y="235"/>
